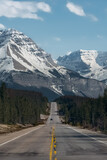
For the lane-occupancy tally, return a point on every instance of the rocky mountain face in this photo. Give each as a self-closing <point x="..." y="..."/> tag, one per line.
<point x="88" y="63"/>
<point x="23" y="65"/>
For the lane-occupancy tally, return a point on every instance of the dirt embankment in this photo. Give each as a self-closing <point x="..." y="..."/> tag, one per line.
<point x="4" y="128"/>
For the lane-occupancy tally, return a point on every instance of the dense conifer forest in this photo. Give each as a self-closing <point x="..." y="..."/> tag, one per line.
<point x="22" y="107"/>
<point x="86" y="112"/>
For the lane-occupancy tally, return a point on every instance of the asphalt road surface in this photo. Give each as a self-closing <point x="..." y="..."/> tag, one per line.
<point x="53" y="141"/>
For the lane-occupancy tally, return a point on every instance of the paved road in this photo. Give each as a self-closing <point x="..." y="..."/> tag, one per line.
<point x="53" y="141"/>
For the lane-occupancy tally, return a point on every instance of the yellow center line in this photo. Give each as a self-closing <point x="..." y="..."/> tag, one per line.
<point x="53" y="144"/>
<point x="51" y="148"/>
<point x="55" y="152"/>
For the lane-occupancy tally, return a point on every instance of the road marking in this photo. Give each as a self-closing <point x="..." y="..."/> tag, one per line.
<point x="88" y="136"/>
<point x="51" y="148"/>
<point x="19" y="136"/>
<point x="54" y="145"/>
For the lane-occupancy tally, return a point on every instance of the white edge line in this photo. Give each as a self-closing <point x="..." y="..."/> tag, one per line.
<point x="19" y="136"/>
<point x="88" y="136"/>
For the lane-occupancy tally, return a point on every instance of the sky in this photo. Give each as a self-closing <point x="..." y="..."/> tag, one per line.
<point x="58" y="26"/>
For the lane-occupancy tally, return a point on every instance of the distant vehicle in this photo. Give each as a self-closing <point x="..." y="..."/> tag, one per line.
<point x="51" y="119"/>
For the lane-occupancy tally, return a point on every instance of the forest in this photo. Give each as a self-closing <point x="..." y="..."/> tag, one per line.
<point x="86" y="112"/>
<point x="24" y="107"/>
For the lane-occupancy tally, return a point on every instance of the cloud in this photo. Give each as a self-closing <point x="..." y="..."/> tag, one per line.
<point x="99" y="36"/>
<point x="76" y="9"/>
<point x="2" y="26"/>
<point x="92" y="17"/>
<point x="57" y="39"/>
<point x="23" y="9"/>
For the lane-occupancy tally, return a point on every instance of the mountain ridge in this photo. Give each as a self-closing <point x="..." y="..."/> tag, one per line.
<point x="24" y="65"/>
<point x="88" y="63"/>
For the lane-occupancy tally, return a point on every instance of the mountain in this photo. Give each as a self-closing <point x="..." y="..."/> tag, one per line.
<point x="23" y="65"/>
<point x="88" y="63"/>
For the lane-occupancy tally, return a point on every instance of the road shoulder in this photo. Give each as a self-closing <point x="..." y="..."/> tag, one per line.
<point x="97" y="136"/>
<point x="8" y="137"/>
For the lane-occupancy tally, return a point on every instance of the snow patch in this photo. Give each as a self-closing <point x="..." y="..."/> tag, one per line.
<point x="88" y="63"/>
<point x="57" y="89"/>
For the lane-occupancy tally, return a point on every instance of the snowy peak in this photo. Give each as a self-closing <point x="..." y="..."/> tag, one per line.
<point x="89" y="58"/>
<point x="18" y="52"/>
<point x="12" y="35"/>
<point x="89" y="63"/>
<point x="24" y="65"/>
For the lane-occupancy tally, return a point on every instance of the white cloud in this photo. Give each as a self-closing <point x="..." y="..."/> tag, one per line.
<point x="23" y="9"/>
<point x="92" y="17"/>
<point x="76" y="9"/>
<point x="57" y="39"/>
<point x="2" y="26"/>
<point x="99" y="36"/>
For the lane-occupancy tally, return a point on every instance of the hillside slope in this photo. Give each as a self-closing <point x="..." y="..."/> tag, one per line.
<point x="88" y="63"/>
<point x="23" y="65"/>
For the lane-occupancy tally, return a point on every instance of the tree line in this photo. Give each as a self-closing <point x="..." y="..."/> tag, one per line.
<point x="86" y="112"/>
<point x="24" y="107"/>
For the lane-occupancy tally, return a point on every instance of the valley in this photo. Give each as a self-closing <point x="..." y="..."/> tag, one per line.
<point x="71" y="143"/>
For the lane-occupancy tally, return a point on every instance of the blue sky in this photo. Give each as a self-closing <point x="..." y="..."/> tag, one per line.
<point x="58" y="26"/>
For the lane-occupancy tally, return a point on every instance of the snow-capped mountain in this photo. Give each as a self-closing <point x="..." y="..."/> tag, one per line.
<point x="24" y="65"/>
<point x="88" y="63"/>
<point x="20" y="53"/>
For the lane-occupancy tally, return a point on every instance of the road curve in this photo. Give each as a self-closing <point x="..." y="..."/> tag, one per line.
<point x="53" y="141"/>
